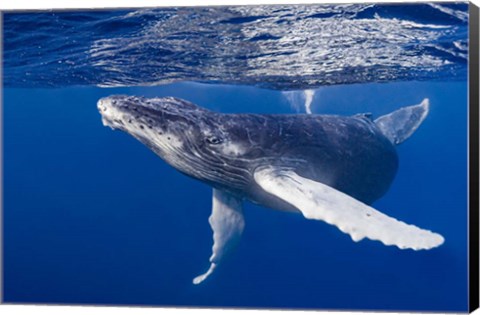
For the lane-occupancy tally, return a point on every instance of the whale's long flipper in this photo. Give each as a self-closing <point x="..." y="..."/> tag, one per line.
<point x="321" y="202"/>
<point x="227" y="224"/>
<point x="399" y="125"/>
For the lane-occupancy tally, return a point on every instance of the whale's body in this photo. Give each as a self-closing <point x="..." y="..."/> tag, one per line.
<point x="326" y="167"/>
<point x="347" y="153"/>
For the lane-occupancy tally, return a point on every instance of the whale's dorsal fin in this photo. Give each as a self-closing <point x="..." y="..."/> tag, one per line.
<point x="321" y="202"/>
<point x="227" y="224"/>
<point x="401" y="124"/>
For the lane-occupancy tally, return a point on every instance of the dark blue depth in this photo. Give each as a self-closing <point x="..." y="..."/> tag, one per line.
<point x="92" y="216"/>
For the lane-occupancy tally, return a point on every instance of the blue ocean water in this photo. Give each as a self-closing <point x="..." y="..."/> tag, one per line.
<point x="276" y="46"/>
<point x="92" y="216"/>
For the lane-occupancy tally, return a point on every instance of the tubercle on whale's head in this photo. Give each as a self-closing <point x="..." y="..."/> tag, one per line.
<point x="188" y="137"/>
<point x="165" y="125"/>
<point x="117" y="107"/>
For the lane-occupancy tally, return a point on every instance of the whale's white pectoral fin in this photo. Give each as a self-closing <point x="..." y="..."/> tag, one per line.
<point x="227" y="224"/>
<point x="321" y="202"/>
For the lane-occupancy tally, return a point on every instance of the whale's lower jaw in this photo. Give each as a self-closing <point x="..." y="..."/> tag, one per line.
<point x="107" y="123"/>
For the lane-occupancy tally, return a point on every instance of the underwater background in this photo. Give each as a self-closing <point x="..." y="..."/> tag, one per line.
<point x="92" y="216"/>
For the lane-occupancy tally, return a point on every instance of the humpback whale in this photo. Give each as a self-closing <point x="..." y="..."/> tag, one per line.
<point x="325" y="167"/>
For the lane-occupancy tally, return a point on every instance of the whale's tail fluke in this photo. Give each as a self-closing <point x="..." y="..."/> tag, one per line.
<point x="401" y="124"/>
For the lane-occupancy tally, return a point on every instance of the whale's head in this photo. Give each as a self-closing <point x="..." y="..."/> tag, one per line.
<point x="186" y="136"/>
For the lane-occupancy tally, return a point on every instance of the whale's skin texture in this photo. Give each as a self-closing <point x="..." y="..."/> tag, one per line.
<point x="347" y="153"/>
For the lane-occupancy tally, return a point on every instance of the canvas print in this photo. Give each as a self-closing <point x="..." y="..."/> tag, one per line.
<point x="275" y="156"/>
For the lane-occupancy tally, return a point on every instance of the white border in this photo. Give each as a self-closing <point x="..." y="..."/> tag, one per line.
<point x="81" y="310"/>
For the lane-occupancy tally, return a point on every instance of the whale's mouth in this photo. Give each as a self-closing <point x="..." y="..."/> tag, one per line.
<point x="144" y="120"/>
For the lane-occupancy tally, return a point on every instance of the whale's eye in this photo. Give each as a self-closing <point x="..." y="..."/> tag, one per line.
<point x="214" y="140"/>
